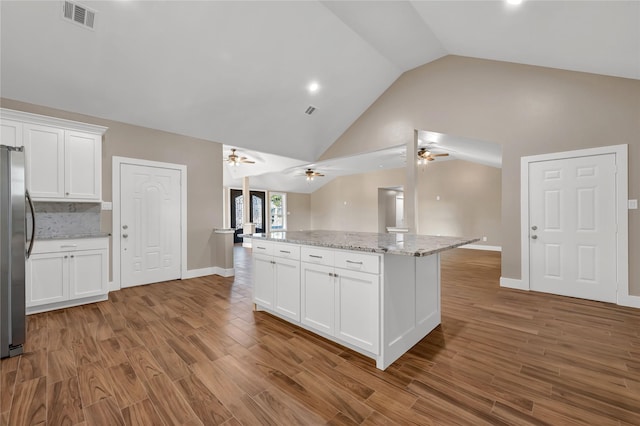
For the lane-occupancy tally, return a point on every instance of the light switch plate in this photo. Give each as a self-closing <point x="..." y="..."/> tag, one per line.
<point x="107" y="205"/>
<point x="633" y="204"/>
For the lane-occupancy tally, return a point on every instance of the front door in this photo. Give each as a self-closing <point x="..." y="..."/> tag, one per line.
<point x="572" y="228"/>
<point x="256" y="212"/>
<point x="150" y="234"/>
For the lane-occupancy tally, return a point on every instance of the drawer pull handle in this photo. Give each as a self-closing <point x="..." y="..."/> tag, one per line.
<point x="355" y="263"/>
<point x="317" y="257"/>
<point x="68" y="245"/>
<point x="261" y="248"/>
<point x="285" y="251"/>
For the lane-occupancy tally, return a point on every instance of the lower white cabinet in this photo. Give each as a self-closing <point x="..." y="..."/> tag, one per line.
<point x="333" y="292"/>
<point x="62" y="273"/>
<point x="342" y="303"/>
<point x="276" y="268"/>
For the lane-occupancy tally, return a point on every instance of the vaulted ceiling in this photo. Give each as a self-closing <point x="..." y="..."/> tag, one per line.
<point x="238" y="72"/>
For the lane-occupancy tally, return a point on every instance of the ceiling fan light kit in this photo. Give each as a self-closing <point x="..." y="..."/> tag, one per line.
<point x="234" y="160"/>
<point x="311" y="174"/>
<point x="425" y="156"/>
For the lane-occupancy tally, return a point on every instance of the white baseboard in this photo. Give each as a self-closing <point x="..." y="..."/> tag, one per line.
<point x="513" y="283"/>
<point x="630" y="301"/>
<point x="481" y="247"/>
<point x="113" y="286"/>
<point x="214" y="270"/>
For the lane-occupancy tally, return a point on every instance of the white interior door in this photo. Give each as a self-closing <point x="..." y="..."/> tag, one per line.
<point x="572" y="227"/>
<point x="149" y="224"/>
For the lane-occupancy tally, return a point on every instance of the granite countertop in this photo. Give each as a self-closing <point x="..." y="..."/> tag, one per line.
<point x="401" y="244"/>
<point x="72" y="236"/>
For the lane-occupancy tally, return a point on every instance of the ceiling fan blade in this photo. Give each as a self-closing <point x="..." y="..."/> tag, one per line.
<point x="247" y="161"/>
<point x="439" y="155"/>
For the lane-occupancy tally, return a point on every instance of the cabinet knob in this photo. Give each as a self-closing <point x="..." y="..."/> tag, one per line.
<point x="125" y="235"/>
<point x="66" y="257"/>
<point x="66" y="193"/>
<point x="71" y="256"/>
<point x="125" y="227"/>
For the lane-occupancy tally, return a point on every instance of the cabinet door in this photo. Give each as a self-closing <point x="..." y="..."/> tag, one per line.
<point x="357" y="309"/>
<point x="44" y="148"/>
<point x="46" y="279"/>
<point x="87" y="273"/>
<point x="263" y="281"/>
<point x="83" y="157"/>
<point x="11" y="133"/>
<point x="318" y="297"/>
<point x="287" y="288"/>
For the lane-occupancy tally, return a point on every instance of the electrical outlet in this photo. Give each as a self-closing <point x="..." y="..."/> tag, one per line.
<point x="484" y="238"/>
<point x="633" y="204"/>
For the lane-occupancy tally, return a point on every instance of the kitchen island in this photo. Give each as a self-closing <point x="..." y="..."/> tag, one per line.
<point x="378" y="294"/>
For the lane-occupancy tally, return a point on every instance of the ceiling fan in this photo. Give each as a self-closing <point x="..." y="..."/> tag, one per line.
<point x="311" y="174"/>
<point x="425" y="155"/>
<point x="234" y="159"/>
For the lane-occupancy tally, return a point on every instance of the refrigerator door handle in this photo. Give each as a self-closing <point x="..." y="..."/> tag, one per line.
<point x="33" y="223"/>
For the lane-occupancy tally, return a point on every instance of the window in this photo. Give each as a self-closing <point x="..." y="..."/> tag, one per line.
<point x="278" y="211"/>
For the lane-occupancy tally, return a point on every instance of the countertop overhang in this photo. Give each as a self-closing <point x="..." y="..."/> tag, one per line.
<point x="400" y="244"/>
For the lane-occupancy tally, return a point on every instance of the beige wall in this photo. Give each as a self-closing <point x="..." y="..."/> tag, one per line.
<point x="298" y="211"/>
<point x="529" y="110"/>
<point x="350" y="203"/>
<point x="469" y="204"/>
<point x="204" y="174"/>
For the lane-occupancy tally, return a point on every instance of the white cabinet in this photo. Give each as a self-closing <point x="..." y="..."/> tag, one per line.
<point x="62" y="164"/>
<point x="63" y="158"/>
<point x="62" y="273"/>
<point x="357" y="309"/>
<point x="44" y="151"/>
<point x="343" y="303"/>
<point x="318" y="297"/>
<point x="263" y="285"/>
<point x="276" y="268"/>
<point x="47" y="280"/>
<point x="10" y="133"/>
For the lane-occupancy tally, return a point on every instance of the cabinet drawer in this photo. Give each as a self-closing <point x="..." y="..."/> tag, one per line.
<point x="358" y="261"/>
<point x="262" y="246"/>
<point x="287" y="251"/>
<point x="54" y="246"/>
<point x="316" y="255"/>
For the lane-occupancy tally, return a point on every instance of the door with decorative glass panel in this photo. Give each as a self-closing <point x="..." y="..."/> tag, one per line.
<point x="257" y="214"/>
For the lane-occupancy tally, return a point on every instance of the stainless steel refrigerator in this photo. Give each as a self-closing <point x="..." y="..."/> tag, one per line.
<point x="14" y="249"/>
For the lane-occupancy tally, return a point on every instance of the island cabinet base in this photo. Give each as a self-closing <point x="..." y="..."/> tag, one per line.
<point x="410" y="304"/>
<point x="377" y="305"/>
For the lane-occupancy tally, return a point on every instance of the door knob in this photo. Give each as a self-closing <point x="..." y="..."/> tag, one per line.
<point x="534" y="237"/>
<point x="125" y="235"/>
<point x="534" y="227"/>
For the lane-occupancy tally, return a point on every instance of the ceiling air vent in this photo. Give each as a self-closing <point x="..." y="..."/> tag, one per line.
<point x="310" y="110"/>
<point x="79" y="14"/>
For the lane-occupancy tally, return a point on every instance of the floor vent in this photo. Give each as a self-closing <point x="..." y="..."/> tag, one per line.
<point x="310" y="110"/>
<point x="79" y="14"/>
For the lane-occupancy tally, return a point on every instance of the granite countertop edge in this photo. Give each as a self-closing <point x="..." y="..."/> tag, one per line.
<point x="72" y="236"/>
<point x="441" y="243"/>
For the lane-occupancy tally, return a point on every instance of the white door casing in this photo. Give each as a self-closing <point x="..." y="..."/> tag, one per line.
<point x="621" y="214"/>
<point x="572" y="221"/>
<point x="149" y="207"/>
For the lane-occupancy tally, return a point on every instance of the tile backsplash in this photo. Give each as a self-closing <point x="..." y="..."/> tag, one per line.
<point x="63" y="219"/>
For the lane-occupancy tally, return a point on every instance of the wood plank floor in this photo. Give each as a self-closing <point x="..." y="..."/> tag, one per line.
<point x="193" y="352"/>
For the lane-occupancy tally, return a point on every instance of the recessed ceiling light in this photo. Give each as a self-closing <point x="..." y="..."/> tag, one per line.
<point x="313" y="87"/>
<point x="514" y="2"/>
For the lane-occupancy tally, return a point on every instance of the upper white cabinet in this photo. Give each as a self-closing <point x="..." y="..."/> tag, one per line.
<point x="11" y="133"/>
<point x="63" y="158"/>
